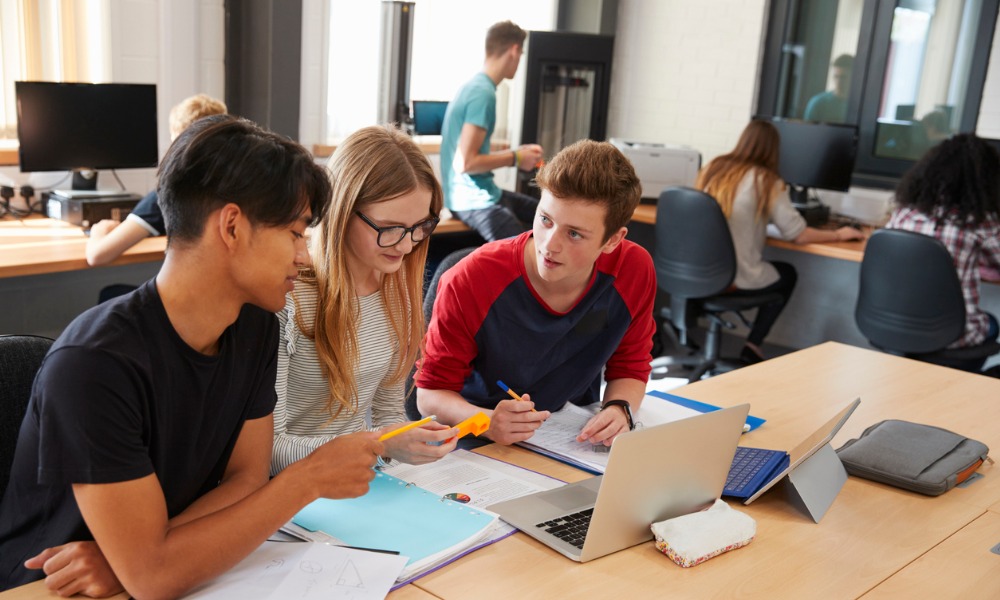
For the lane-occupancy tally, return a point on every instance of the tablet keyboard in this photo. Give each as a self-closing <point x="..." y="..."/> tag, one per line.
<point x="751" y="468"/>
<point x="571" y="528"/>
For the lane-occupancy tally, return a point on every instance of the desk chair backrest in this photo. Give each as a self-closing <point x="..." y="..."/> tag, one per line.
<point x="910" y="299"/>
<point x="449" y="261"/>
<point x="20" y="357"/>
<point x="694" y="255"/>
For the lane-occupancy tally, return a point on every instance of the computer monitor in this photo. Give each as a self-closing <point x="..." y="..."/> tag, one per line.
<point x="428" y="116"/>
<point x="816" y="156"/>
<point x="85" y="127"/>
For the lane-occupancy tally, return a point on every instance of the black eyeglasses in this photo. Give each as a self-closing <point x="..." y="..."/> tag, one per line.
<point x="390" y="236"/>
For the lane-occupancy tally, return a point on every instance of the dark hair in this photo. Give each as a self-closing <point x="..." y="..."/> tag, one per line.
<point x="501" y="36"/>
<point x="844" y="61"/>
<point x="596" y="172"/>
<point x="222" y="159"/>
<point x="958" y="179"/>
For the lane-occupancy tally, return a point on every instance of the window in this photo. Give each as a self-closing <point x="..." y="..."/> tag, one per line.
<point x="909" y="73"/>
<point x="448" y="38"/>
<point x="50" y="40"/>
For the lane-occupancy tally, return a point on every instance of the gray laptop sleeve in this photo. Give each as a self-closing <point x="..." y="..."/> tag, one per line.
<point x="915" y="457"/>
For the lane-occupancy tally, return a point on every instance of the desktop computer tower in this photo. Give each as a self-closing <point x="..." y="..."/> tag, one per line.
<point x="85" y="209"/>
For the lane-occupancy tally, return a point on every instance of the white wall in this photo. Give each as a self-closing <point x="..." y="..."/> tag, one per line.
<point x="685" y="72"/>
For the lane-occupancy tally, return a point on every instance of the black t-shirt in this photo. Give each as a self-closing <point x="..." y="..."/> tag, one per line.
<point x="148" y="211"/>
<point x="120" y="396"/>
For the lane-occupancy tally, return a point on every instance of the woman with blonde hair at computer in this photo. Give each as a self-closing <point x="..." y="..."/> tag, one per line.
<point x="746" y="184"/>
<point x="352" y="327"/>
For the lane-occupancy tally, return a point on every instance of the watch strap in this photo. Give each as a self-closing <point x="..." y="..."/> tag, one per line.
<point x="625" y="407"/>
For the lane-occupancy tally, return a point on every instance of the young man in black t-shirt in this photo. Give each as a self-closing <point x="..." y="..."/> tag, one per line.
<point x="143" y="460"/>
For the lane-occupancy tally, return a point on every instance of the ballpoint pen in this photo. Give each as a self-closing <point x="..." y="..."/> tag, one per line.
<point x="511" y="392"/>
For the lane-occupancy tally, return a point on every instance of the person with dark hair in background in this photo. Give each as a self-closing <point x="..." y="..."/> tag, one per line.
<point x="142" y="462"/>
<point x="748" y="188"/>
<point x="953" y="194"/>
<point x="936" y="126"/>
<point x="831" y="106"/>
<point x="467" y="162"/>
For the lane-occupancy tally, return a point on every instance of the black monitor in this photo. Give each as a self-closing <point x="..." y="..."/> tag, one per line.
<point x="85" y="126"/>
<point x="816" y="156"/>
<point x="428" y="116"/>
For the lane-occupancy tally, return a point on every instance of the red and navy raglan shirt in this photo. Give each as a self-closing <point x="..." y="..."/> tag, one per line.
<point x="489" y="324"/>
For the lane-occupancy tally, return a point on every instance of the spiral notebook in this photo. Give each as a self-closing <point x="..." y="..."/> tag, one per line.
<point x="400" y="517"/>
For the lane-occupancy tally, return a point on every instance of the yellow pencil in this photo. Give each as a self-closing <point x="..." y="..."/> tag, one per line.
<point x="408" y="427"/>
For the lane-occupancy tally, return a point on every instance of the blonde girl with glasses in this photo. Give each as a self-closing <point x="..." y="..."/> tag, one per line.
<point x="352" y="328"/>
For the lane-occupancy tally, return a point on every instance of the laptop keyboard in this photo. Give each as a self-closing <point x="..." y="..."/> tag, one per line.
<point x="571" y="529"/>
<point x="747" y="463"/>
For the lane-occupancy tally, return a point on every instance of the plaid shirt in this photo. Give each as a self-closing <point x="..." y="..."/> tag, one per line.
<point x="972" y="247"/>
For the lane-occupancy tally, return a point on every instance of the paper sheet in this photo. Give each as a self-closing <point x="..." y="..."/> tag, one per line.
<point x="557" y="436"/>
<point x="293" y="570"/>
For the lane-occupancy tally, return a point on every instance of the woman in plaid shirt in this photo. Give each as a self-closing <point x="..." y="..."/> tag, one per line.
<point x="953" y="194"/>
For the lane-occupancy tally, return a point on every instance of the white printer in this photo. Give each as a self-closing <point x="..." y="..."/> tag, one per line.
<point x="660" y="166"/>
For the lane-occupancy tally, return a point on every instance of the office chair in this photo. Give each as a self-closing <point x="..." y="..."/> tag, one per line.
<point x="695" y="264"/>
<point x="20" y="357"/>
<point x="913" y="312"/>
<point x="449" y="261"/>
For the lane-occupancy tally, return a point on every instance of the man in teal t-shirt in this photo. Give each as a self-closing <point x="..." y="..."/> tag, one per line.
<point x="467" y="163"/>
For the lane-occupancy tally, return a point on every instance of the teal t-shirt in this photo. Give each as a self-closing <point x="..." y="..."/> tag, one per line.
<point x="475" y="103"/>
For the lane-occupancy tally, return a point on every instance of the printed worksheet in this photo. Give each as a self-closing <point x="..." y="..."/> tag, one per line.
<point x="557" y="436"/>
<point x="306" y="570"/>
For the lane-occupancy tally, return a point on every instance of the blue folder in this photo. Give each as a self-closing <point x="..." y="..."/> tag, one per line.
<point x="396" y="516"/>
<point x="752" y="421"/>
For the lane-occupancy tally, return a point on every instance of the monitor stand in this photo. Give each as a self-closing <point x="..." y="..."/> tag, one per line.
<point x="84" y="179"/>
<point x="809" y="206"/>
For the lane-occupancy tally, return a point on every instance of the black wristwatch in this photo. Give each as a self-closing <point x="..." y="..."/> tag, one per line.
<point x="626" y="407"/>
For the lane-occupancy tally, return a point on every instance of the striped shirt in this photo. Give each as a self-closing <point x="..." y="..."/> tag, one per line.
<point x="971" y="246"/>
<point x="301" y="421"/>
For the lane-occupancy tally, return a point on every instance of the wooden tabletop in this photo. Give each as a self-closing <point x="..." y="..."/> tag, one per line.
<point x="875" y="539"/>
<point x="853" y="251"/>
<point x="38" y="245"/>
<point x="871" y="532"/>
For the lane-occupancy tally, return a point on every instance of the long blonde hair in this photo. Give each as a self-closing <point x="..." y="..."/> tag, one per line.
<point x="757" y="149"/>
<point x="372" y="165"/>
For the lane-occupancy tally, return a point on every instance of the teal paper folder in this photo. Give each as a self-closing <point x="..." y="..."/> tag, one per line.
<point x="401" y="517"/>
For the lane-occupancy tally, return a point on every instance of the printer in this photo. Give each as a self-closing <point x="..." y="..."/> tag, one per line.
<point x="660" y="166"/>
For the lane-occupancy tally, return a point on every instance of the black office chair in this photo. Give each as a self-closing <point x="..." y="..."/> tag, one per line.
<point x="695" y="264"/>
<point x="910" y="300"/>
<point x="20" y="357"/>
<point x="449" y="261"/>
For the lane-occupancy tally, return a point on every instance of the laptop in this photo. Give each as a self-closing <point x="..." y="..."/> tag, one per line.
<point x="756" y="470"/>
<point x="653" y="474"/>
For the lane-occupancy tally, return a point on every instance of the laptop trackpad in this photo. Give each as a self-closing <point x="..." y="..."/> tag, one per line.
<point x="571" y="496"/>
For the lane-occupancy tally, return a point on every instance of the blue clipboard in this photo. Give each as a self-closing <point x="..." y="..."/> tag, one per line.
<point x="752" y="421"/>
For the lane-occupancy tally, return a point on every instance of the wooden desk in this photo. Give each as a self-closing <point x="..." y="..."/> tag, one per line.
<point x="38" y="591"/>
<point x="875" y="539"/>
<point x="961" y="566"/>
<point x="854" y="251"/>
<point x="38" y="245"/>
<point x="870" y="533"/>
